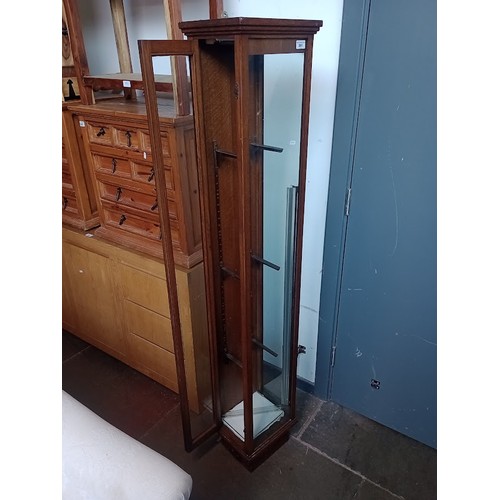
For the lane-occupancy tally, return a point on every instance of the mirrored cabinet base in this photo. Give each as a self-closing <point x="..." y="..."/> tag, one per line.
<point x="250" y="82"/>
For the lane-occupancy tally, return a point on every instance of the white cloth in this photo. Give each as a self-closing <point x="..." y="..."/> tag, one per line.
<point x="100" y="462"/>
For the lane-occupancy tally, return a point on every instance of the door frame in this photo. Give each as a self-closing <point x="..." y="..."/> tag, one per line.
<point x="355" y="18"/>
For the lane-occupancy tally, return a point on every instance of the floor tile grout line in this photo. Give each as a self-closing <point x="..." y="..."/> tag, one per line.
<point x="76" y="354"/>
<point x="363" y="481"/>
<point x="338" y="462"/>
<point x="309" y="420"/>
<point x="157" y="423"/>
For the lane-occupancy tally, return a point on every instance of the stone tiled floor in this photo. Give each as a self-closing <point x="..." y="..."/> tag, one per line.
<point x="333" y="453"/>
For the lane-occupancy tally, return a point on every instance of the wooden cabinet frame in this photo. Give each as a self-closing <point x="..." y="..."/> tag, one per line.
<point x="227" y="95"/>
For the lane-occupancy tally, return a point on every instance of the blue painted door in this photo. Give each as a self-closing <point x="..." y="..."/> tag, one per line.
<point x="385" y="342"/>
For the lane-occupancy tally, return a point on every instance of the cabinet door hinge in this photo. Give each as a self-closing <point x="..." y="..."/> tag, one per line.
<point x="347" y="202"/>
<point x="334" y="350"/>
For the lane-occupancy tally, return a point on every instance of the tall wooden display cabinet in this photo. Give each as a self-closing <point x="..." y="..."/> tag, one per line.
<point x="250" y="85"/>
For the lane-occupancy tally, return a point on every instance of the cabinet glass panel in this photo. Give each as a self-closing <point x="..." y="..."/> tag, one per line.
<point x="191" y="341"/>
<point x="276" y="82"/>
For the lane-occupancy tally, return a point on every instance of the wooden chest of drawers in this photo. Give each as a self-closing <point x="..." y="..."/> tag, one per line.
<point x="79" y="206"/>
<point x="117" y="300"/>
<point x="118" y="147"/>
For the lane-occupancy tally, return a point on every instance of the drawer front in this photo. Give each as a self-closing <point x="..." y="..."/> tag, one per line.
<point x="100" y="133"/>
<point x="143" y="200"/>
<point x="145" y="290"/>
<point x="112" y="165"/>
<point x="129" y="169"/>
<point x="122" y="137"/>
<point x="142" y="172"/>
<point x="127" y="138"/>
<point x="120" y="218"/>
<point x="148" y="325"/>
<point x="146" y="143"/>
<point x="129" y="197"/>
<point x="154" y="358"/>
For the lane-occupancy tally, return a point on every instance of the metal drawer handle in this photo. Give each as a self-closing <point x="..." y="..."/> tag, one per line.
<point x="118" y="193"/>
<point x="129" y="138"/>
<point x="151" y="175"/>
<point x="101" y="132"/>
<point x="154" y="206"/>
<point x="122" y="220"/>
<point x="65" y="203"/>
<point x="113" y="166"/>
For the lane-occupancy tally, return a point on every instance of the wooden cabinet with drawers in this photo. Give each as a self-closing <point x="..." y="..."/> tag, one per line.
<point x="118" y="148"/>
<point x="116" y="299"/>
<point x="79" y="206"/>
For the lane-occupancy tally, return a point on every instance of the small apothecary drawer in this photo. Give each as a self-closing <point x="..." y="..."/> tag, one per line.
<point x="127" y="220"/>
<point x="129" y="197"/>
<point x="99" y="133"/>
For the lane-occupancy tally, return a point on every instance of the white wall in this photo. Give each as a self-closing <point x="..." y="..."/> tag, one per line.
<point x="324" y="81"/>
<point x="145" y="20"/>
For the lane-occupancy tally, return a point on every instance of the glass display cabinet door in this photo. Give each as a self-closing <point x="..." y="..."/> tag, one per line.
<point x="198" y="407"/>
<point x="250" y="81"/>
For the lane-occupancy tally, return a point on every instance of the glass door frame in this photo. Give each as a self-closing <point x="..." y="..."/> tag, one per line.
<point x="148" y="49"/>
